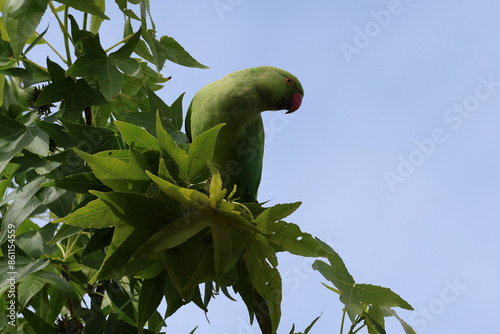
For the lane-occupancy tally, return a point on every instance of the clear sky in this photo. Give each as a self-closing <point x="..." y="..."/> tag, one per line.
<point x="395" y="152"/>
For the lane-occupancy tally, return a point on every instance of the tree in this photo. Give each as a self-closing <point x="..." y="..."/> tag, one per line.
<point x="106" y="205"/>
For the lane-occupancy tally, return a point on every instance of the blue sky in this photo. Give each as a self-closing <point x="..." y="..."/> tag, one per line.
<point x="394" y="153"/>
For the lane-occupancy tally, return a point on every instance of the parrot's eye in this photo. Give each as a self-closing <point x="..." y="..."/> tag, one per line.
<point x="289" y="81"/>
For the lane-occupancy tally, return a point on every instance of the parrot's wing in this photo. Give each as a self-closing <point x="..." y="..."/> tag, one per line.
<point x="250" y="157"/>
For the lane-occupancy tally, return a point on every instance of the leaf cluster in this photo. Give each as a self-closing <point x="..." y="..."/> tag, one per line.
<point x="365" y="304"/>
<point x="137" y="213"/>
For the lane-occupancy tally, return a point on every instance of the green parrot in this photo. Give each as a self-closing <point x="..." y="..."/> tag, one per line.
<point x="237" y="100"/>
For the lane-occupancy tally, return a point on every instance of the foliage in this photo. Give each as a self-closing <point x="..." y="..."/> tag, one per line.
<point x="136" y="212"/>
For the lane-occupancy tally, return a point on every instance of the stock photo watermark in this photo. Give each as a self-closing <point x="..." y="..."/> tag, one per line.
<point x="424" y="316"/>
<point x="363" y="36"/>
<point x="11" y="275"/>
<point x="453" y="117"/>
<point x="224" y="6"/>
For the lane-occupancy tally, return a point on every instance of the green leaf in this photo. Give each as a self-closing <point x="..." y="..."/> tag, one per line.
<point x="121" y="298"/>
<point x="121" y="57"/>
<point x="134" y="97"/>
<point x="171" y="117"/>
<point x="38" y="324"/>
<point x="116" y="174"/>
<point x="126" y="241"/>
<point x="59" y="201"/>
<point x="96" y="20"/>
<point x="222" y="245"/>
<point x="377" y="295"/>
<point x="290" y="238"/>
<point x="137" y="209"/>
<point x="34" y="244"/>
<point x="63" y="138"/>
<point x="13" y="143"/>
<point x="189" y="197"/>
<point x="146" y="120"/>
<point x="168" y="48"/>
<point x="156" y="322"/>
<point x="10" y="130"/>
<point x="204" y="273"/>
<point x="175" y="233"/>
<point x="4" y="184"/>
<point x="142" y="139"/>
<point x="172" y="296"/>
<point x="312" y="324"/>
<point x="78" y="35"/>
<point x="216" y="192"/>
<point x="237" y="215"/>
<point x="118" y="326"/>
<point x="39" y="143"/>
<point x="96" y="214"/>
<point x="64" y="232"/>
<point x="174" y="52"/>
<point x="200" y="151"/>
<point x="187" y="257"/>
<point x="25" y="265"/>
<point x="21" y="18"/>
<point x="355" y="296"/>
<point x="407" y="328"/>
<point x="163" y="172"/>
<point x="78" y="182"/>
<point x="149" y="298"/>
<point x="55" y="280"/>
<point x="28" y="162"/>
<point x="6" y="59"/>
<point x="337" y="274"/>
<point x="76" y="94"/>
<point x="192" y="166"/>
<point x="86" y="6"/>
<point x="28" y="287"/>
<point x="262" y="263"/>
<point x="38" y="39"/>
<point x="244" y="287"/>
<point x="375" y="320"/>
<point x="31" y="74"/>
<point x="276" y="213"/>
<point x="91" y="139"/>
<point x="57" y="301"/>
<point x="95" y="62"/>
<point x="100" y="238"/>
<point x="25" y="202"/>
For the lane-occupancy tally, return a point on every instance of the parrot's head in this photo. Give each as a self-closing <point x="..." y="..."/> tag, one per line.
<point x="279" y="89"/>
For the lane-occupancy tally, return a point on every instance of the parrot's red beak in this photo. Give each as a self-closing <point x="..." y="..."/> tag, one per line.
<point x="296" y="101"/>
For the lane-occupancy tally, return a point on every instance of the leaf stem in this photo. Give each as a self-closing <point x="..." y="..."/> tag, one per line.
<point x="66" y="35"/>
<point x="68" y="301"/>
<point x="85" y="15"/>
<point x="357" y="330"/>
<point x="63" y="26"/>
<point x="118" y="43"/>
<point x="342" y="323"/>
<point x="354" y="324"/>
<point x="69" y="248"/>
<point x="103" y="295"/>
<point x="38" y="66"/>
